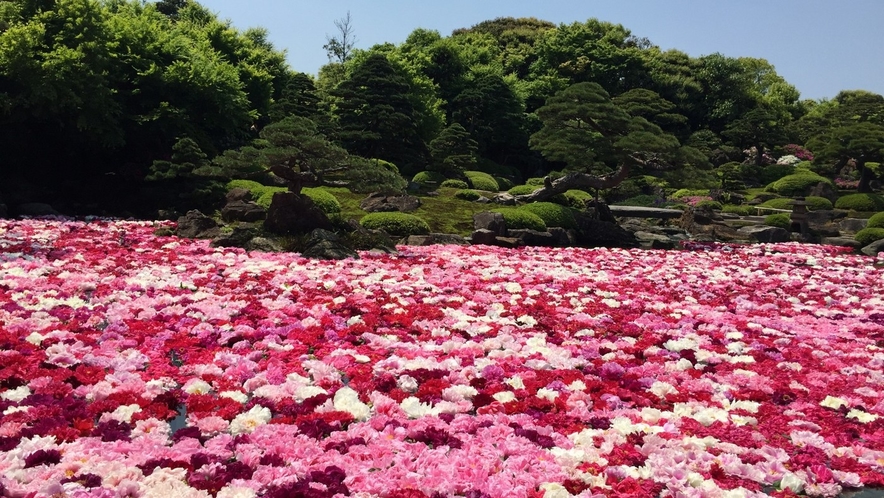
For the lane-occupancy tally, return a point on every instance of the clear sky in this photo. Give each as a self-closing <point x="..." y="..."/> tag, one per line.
<point x="820" y="46"/>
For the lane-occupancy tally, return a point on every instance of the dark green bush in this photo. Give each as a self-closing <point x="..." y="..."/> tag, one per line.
<point x="452" y="183"/>
<point x="797" y="184"/>
<point x="325" y="200"/>
<point x="738" y="210"/>
<point x="522" y="189"/>
<point x="429" y="177"/>
<point x="266" y="195"/>
<point x="552" y="214"/>
<point x="861" y="202"/>
<point x="519" y="218"/>
<point x="876" y="221"/>
<point x="538" y="182"/>
<point x="771" y="173"/>
<point x="686" y="192"/>
<point x="815" y="203"/>
<point x="482" y="181"/>
<point x="709" y="204"/>
<point x="250" y="185"/>
<point x="642" y="200"/>
<point x="503" y="183"/>
<point x="468" y="195"/>
<point x="576" y="199"/>
<point x="868" y="235"/>
<point x="396" y="224"/>
<point x="781" y="220"/>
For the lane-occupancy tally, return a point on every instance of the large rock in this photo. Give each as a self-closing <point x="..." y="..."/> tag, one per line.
<point x="705" y="224"/>
<point x="841" y="241"/>
<point x="597" y="233"/>
<point x="238" y="194"/>
<point x="766" y="234"/>
<point x="263" y="244"/>
<point x="36" y="209"/>
<point x="238" y="236"/>
<point x="436" y="238"/>
<point x="823" y="189"/>
<point x="290" y="213"/>
<point x="504" y="198"/>
<point x="874" y="248"/>
<point x="563" y="237"/>
<point x="196" y="225"/>
<point x="324" y="244"/>
<point x="654" y="240"/>
<point x="487" y="220"/>
<point x="380" y="202"/>
<point x="852" y="225"/>
<point x="484" y="237"/>
<point x="533" y="238"/>
<point x="825" y="222"/>
<point x="239" y="210"/>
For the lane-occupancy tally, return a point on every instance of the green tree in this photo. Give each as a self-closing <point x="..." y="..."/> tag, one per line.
<point x="453" y="152"/>
<point x="598" y="141"/>
<point x="376" y="117"/>
<point x="759" y="128"/>
<point x="493" y="115"/>
<point x="339" y="47"/>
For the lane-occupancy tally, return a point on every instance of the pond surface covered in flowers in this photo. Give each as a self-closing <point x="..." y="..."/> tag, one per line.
<point x="440" y="371"/>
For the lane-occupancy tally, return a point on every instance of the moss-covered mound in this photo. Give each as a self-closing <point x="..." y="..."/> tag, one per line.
<point x="432" y="178"/>
<point x="797" y="184"/>
<point x="397" y="224"/>
<point x="814" y="203"/>
<point x="552" y="214"/>
<point x="468" y="195"/>
<point x="781" y="220"/>
<point x="517" y="218"/>
<point x="868" y="235"/>
<point x="482" y="181"/>
<point x="876" y="221"/>
<point x="861" y="202"/>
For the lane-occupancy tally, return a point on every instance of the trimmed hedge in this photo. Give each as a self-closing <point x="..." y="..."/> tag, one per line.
<point x="396" y="224"/>
<point x="482" y="181"/>
<point x="797" y="184"/>
<point x="325" y="200"/>
<point x="735" y="209"/>
<point x="861" y="202"/>
<point x="876" y="221"/>
<point x="537" y="182"/>
<point x="452" y="183"/>
<point x="552" y="214"/>
<point x="709" y="204"/>
<point x="815" y="203"/>
<point x="504" y="183"/>
<point x="868" y="235"/>
<point x="781" y="220"/>
<point x="522" y="189"/>
<point x="517" y="218"/>
<point x="576" y="199"/>
<point x="266" y="195"/>
<point x="429" y="177"/>
<point x="686" y="192"/>
<point x="468" y="195"/>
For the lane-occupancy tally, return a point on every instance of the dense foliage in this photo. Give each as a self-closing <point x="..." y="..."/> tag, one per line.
<point x="124" y="105"/>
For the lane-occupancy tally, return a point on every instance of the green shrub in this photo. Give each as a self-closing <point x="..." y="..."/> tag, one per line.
<point x="326" y="201"/>
<point x="781" y="220"/>
<point x="868" y="235"/>
<point x="428" y="177"/>
<point x="452" y="183"/>
<point x="468" y="195"/>
<point x="503" y="183"/>
<point x="709" y="204"/>
<point x="738" y="210"/>
<point x="482" y="181"/>
<point x="642" y="200"/>
<point x="576" y="199"/>
<point x="517" y="218"/>
<point x="814" y="203"/>
<point x="266" y="195"/>
<point x="538" y="182"/>
<point x="797" y="184"/>
<point x="876" y="221"/>
<point x="396" y="224"/>
<point x="686" y="192"/>
<point x="774" y="172"/>
<point x="861" y="202"/>
<point x="250" y="185"/>
<point x="552" y="214"/>
<point x="522" y="189"/>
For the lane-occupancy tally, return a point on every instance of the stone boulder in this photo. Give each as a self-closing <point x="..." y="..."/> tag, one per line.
<point x="238" y="194"/>
<point x="290" y="213"/>
<point x="597" y="233"/>
<point x="263" y="244"/>
<point x="841" y="241"/>
<point x="484" y="237"/>
<point x="436" y="238"/>
<point x="563" y="237"/>
<point x="823" y="189"/>
<point x="654" y="240"/>
<point x="504" y="198"/>
<point x="825" y="222"/>
<point x="528" y="237"/>
<point x="238" y="236"/>
<point x="239" y="210"/>
<point x="766" y="234"/>
<point x="380" y="202"/>
<point x="852" y="225"/>
<point x="36" y="209"/>
<point x="874" y="248"/>
<point x="705" y="224"/>
<point x="196" y="225"/>
<point x="487" y="220"/>
<point x="324" y="244"/>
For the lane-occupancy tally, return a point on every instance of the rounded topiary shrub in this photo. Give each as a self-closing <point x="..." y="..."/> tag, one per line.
<point x="735" y="209"/>
<point x="468" y="195"/>
<point x="686" y="192"/>
<point x="522" y="189"/>
<point x="860" y="202"/>
<point x="552" y="214"/>
<point x="482" y="181"/>
<point x="709" y="204"/>
<point x="265" y="195"/>
<point x="774" y="172"/>
<point x="517" y="218"/>
<point x="538" y="182"/>
<point x="429" y="177"/>
<point x="868" y="235"/>
<point x="814" y="203"/>
<point x="503" y="183"/>
<point x="876" y="221"/>
<point x="452" y="183"/>
<point x="797" y="184"/>
<point x="781" y="220"/>
<point x="249" y="185"/>
<point x="397" y="224"/>
<point x="323" y="199"/>
<point x="576" y="199"/>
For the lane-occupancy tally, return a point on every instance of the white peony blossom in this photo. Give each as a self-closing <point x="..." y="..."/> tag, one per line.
<point x="197" y="386"/>
<point x="862" y="416"/>
<point x="305" y="392"/>
<point x="236" y="492"/>
<point x="515" y="382"/>
<point x="504" y="396"/>
<point x="415" y="409"/>
<point x="792" y="481"/>
<point x="246" y="423"/>
<point x="547" y="394"/>
<point x="16" y="395"/>
<point x="347" y="400"/>
<point x="833" y="402"/>
<point x="554" y="490"/>
<point x="407" y="383"/>
<point x="239" y="397"/>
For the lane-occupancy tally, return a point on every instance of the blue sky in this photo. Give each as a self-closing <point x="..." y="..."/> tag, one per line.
<point x="820" y="46"/>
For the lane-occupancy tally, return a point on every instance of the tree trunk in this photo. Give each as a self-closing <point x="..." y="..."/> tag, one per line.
<point x="577" y="181"/>
<point x="759" y="155"/>
<point x="866" y="176"/>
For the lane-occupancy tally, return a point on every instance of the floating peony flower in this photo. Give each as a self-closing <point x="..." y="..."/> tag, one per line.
<point x="833" y="402"/>
<point x="247" y="422"/>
